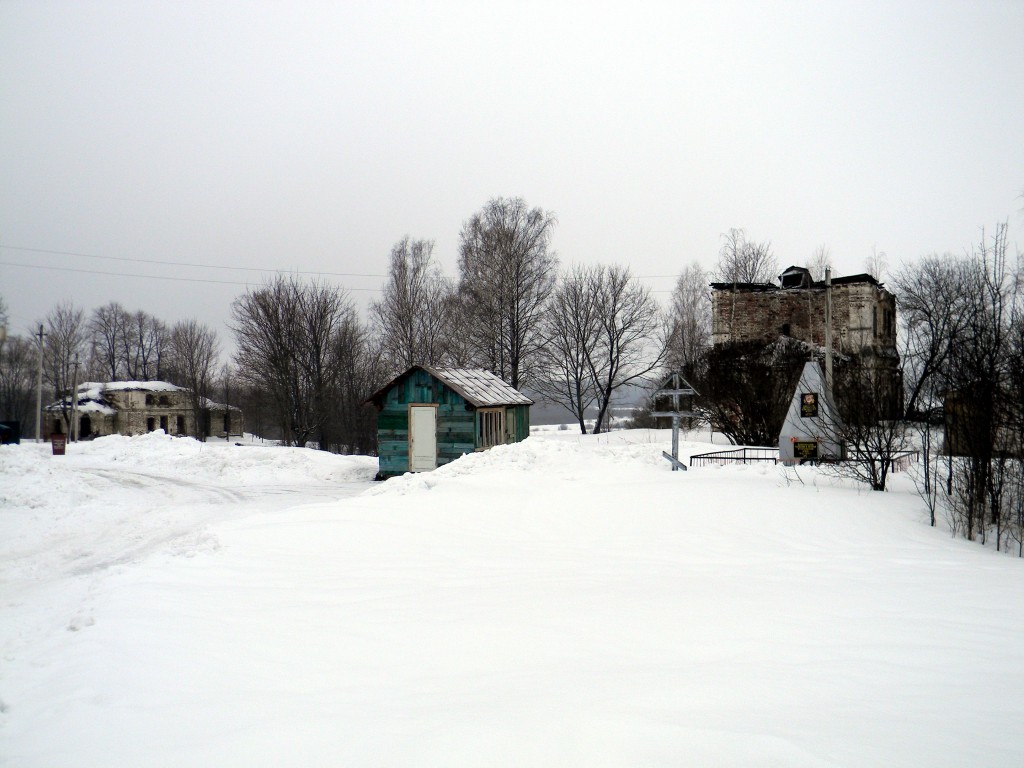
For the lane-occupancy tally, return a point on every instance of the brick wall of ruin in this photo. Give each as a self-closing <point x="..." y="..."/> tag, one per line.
<point x="863" y="316"/>
<point x="133" y="413"/>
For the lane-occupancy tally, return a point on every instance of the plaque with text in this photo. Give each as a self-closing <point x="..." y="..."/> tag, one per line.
<point x="805" y="449"/>
<point x="809" y="405"/>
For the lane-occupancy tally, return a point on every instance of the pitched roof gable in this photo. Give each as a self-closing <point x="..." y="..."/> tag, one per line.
<point x="478" y="387"/>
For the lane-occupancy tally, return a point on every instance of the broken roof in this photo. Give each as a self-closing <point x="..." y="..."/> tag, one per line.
<point x="863" y="277"/>
<point x="480" y="388"/>
<point x="91" y="395"/>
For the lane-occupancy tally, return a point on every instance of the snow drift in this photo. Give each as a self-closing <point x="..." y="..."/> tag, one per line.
<point x="563" y="601"/>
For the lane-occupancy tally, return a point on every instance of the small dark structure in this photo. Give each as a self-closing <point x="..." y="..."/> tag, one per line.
<point x="430" y="416"/>
<point x="10" y="432"/>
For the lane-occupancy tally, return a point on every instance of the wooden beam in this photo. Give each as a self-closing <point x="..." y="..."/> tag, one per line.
<point x="676" y="463"/>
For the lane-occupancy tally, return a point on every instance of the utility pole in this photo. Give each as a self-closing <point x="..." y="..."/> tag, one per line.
<point x="74" y="403"/>
<point x="39" y="389"/>
<point x="828" y="328"/>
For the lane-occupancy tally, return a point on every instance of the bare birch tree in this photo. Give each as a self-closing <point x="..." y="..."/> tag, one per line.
<point x="506" y="274"/>
<point x="145" y="344"/>
<point x="127" y="345"/>
<point x="194" y="353"/>
<point x="65" y="343"/>
<point x="570" y="329"/>
<point x="820" y="260"/>
<point x="877" y="264"/>
<point x="689" y="319"/>
<point x="744" y="261"/>
<point x="413" y="313"/>
<point x="627" y="346"/>
<point x="108" y="327"/>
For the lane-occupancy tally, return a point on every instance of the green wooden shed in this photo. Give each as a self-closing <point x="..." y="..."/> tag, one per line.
<point x="430" y="416"/>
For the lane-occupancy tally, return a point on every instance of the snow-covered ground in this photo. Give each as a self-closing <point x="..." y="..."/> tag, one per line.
<point x="567" y="601"/>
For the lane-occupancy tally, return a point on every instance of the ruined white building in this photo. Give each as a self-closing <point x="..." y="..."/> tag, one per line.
<point x="137" y="407"/>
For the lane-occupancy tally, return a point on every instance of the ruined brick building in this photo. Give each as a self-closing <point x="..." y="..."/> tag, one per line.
<point x="863" y="320"/>
<point x="137" y="407"/>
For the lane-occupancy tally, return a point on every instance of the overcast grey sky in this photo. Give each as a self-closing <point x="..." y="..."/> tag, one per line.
<point x="310" y="137"/>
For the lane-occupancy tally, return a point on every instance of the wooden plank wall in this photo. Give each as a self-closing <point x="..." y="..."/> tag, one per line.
<point x="456" y="426"/>
<point x="521" y="415"/>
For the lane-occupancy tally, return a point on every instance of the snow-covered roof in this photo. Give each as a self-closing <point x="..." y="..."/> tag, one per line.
<point x="87" y="403"/>
<point x="140" y="386"/>
<point x="213" y="405"/>
<point x="84" y="406"/>
<point x="480" y="388"/>
<point x="91" y="395"/>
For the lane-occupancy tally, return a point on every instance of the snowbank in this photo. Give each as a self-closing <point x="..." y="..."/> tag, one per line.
<point x="564" y="601"/>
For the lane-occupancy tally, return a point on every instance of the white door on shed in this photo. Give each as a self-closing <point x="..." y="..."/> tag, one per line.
<point x="422" y="438"/>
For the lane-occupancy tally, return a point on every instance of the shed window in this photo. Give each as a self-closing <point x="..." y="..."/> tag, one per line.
<point x="492" y="427"/>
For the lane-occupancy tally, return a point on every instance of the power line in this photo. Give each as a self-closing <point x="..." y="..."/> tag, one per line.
<point x="246" y="269"/>
<point x="183" y="263"/>
<point x="162" y="277"/>
<point x="212" y="266"/>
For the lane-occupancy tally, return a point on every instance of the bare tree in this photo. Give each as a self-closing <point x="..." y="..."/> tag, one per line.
<point x="108" y="328"/>
<point x="461" y="351"/>
<point x="412" y="315"/>
<point x="746" y="388"/>
<point x="874" y="439"/>
<point x="284" y="333"/>
<point x="127" y="345"/>
<point x="571" y="328"/>
<point x="933" y="311"/>
<point x="19" y="359"/>
<point x="877" y="264"/>
<point x="744" y="261"/>
<point x="961" y="314"/>
<point x="977" y="372"/>
<point x="741" y="261"/>
<point x="959" y="321"/>
<point x="65" y="344"/>
<point x="929" y="299"/>
<point x="360" y="369"/>
<point x="1015" y="418"/>
<point x="194" y="352"/>
<point x="689" y="319"/>
<point x="144" y="345"/>
<point x="820" y="260"/>
<point x="507" y="273"/>
<point x="627" y="347"/>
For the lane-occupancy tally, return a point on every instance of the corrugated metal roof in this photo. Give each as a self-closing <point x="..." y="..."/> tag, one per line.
<point x="481" y="388"/>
